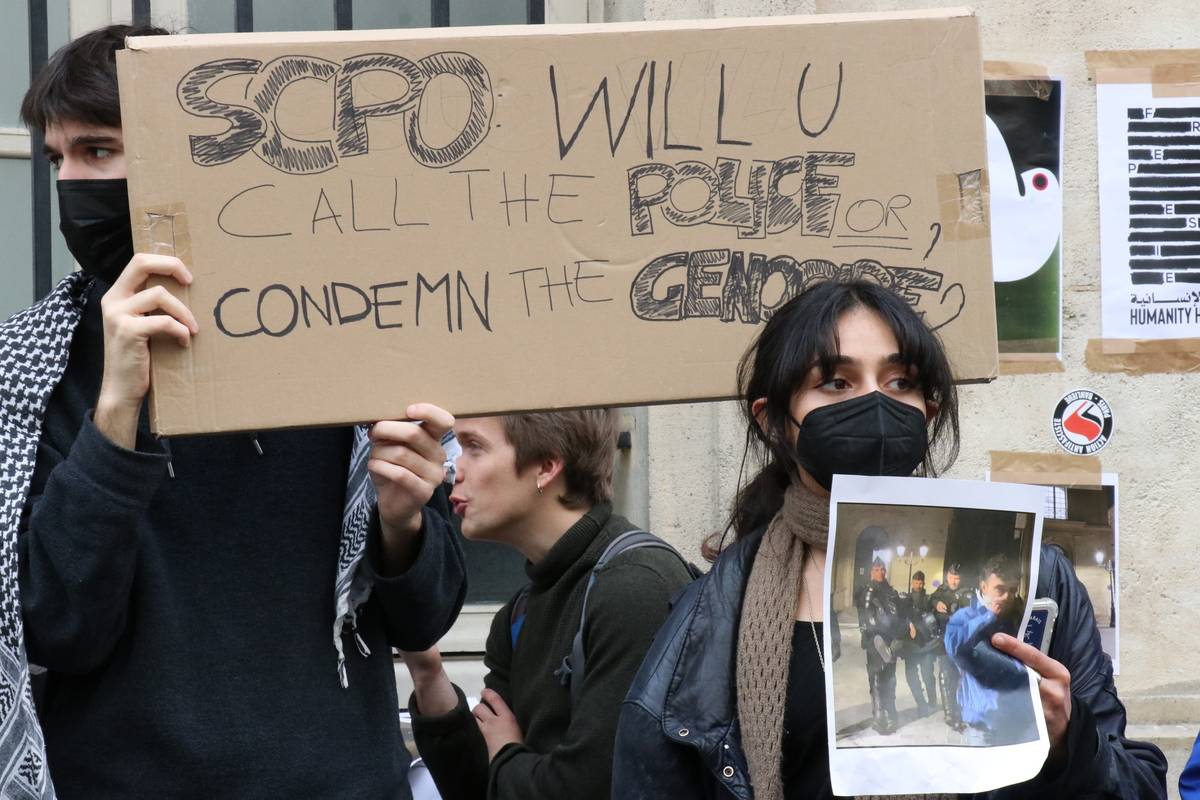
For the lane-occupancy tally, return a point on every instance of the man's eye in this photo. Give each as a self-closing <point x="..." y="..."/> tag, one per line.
<point x="101" y="153"/>
<point x="55" y="161"/>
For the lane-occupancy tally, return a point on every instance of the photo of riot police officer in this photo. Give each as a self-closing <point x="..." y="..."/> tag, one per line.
<point x="919" y="649"/>
<point x="947" y="599"/>
<point x="880" y="622"/>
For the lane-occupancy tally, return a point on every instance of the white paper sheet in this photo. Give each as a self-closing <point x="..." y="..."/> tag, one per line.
<point x="1149" y="150"/>
<point x="936" y="522"/>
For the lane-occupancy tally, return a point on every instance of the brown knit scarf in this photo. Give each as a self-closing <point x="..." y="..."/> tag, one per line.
<point x="765" y="636"/>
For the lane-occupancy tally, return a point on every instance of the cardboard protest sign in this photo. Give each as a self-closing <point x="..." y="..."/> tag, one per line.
<point x="531" y="218"/>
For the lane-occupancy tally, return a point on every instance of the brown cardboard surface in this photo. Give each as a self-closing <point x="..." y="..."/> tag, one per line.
<point x="1052" y="469"/>
<point x="504" y="219"/>
<point x="1143" y="356"/>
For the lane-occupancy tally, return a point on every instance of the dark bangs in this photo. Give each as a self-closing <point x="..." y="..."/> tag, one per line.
<point x="802" y="335"/>
<point x="79" y="82"/>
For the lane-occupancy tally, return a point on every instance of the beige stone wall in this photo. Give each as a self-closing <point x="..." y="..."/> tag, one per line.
<point x="694" y="450"/>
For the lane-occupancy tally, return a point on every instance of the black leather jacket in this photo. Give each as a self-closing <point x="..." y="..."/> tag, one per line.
<point x="678" y="735"/>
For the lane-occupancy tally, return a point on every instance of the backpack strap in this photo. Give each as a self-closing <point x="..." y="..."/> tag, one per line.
<point x="570" y="673"/>
<point x="516" y="616"/>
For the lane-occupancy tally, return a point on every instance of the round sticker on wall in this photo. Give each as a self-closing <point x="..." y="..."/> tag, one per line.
<point x="1083" y="422"/>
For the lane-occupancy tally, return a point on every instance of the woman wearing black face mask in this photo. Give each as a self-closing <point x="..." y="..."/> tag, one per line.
<point x="845" y="378"/>
<point x="730" y="700"/>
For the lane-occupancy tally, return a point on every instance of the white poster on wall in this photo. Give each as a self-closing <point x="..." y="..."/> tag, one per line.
<point x="1149" y="151"/>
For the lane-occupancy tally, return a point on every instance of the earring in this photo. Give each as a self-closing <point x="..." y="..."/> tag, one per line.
<point x="539" y="486"/>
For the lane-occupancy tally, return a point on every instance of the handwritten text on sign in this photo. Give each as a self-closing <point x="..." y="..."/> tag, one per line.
<point x="496" y="188"/>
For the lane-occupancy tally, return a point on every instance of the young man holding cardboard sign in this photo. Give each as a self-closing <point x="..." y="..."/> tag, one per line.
<point x="177" y="594"/>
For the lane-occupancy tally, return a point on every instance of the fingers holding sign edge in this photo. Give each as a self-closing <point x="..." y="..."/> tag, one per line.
<point x="423" y="430"/>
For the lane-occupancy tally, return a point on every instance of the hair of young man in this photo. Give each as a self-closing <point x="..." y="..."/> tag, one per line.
<point x="1001" y="567"/>
<point x="79" y="82"/>
<point x="586" y="441"/>
<point x="801" y="335"/>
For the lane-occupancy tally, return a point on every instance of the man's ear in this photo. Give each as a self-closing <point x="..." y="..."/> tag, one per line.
<point x="549" y="469"/>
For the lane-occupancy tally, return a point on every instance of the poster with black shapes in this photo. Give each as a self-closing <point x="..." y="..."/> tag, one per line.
<point x="529" y="218"/>
<point x="1024" y="139"/>
<point x="1149" y="150"/>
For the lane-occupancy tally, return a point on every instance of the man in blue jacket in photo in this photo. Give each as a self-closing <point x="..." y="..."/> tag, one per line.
<point x="994" y="691"/>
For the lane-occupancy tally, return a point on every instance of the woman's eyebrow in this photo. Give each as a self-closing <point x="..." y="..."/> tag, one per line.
<point x="894" y="358"/>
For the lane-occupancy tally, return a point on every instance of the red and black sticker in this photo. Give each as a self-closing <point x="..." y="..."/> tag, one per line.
<point x="1083" y="422"/>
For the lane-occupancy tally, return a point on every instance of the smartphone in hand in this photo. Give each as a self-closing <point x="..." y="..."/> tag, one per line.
<point x="1041" y="623"/>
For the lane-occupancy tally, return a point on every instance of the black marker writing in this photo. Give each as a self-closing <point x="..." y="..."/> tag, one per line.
<point x="767" y="209"/>
<point x="253" y="127"/>
<point x="277" y="310"/>
<point x="733" y="286"/>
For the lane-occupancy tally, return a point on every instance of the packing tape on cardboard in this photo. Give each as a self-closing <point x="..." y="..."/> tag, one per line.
<point x="163" y="230"/>
<point x="962" y="200"/>
<point x="1030" y="363"/>
<point x="1053" y="469"/>
<point x="1143" y="356"/>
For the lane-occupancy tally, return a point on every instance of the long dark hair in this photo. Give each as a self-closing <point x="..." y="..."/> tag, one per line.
<point x="802" y="335"/>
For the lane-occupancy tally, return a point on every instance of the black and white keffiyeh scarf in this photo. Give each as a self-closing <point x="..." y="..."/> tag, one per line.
<point x="34" y="347"/>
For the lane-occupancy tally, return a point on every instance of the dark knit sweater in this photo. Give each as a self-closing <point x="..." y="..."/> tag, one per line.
<point x="567" y="752"/>
<point x="187" y="623"/>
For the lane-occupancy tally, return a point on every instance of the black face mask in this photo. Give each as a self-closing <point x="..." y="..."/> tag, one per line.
<point x="869" y="435"/>
<point x="94" y="219"/>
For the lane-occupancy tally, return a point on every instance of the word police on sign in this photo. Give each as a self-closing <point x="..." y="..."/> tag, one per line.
<point x="1082" y="423"/>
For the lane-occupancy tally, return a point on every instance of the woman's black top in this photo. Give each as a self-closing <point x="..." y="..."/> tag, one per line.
<point x="805" y="764"/>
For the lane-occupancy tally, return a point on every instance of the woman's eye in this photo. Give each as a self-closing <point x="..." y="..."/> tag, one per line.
<point x="836" y="384"/>
<point x="902" y="384"/>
